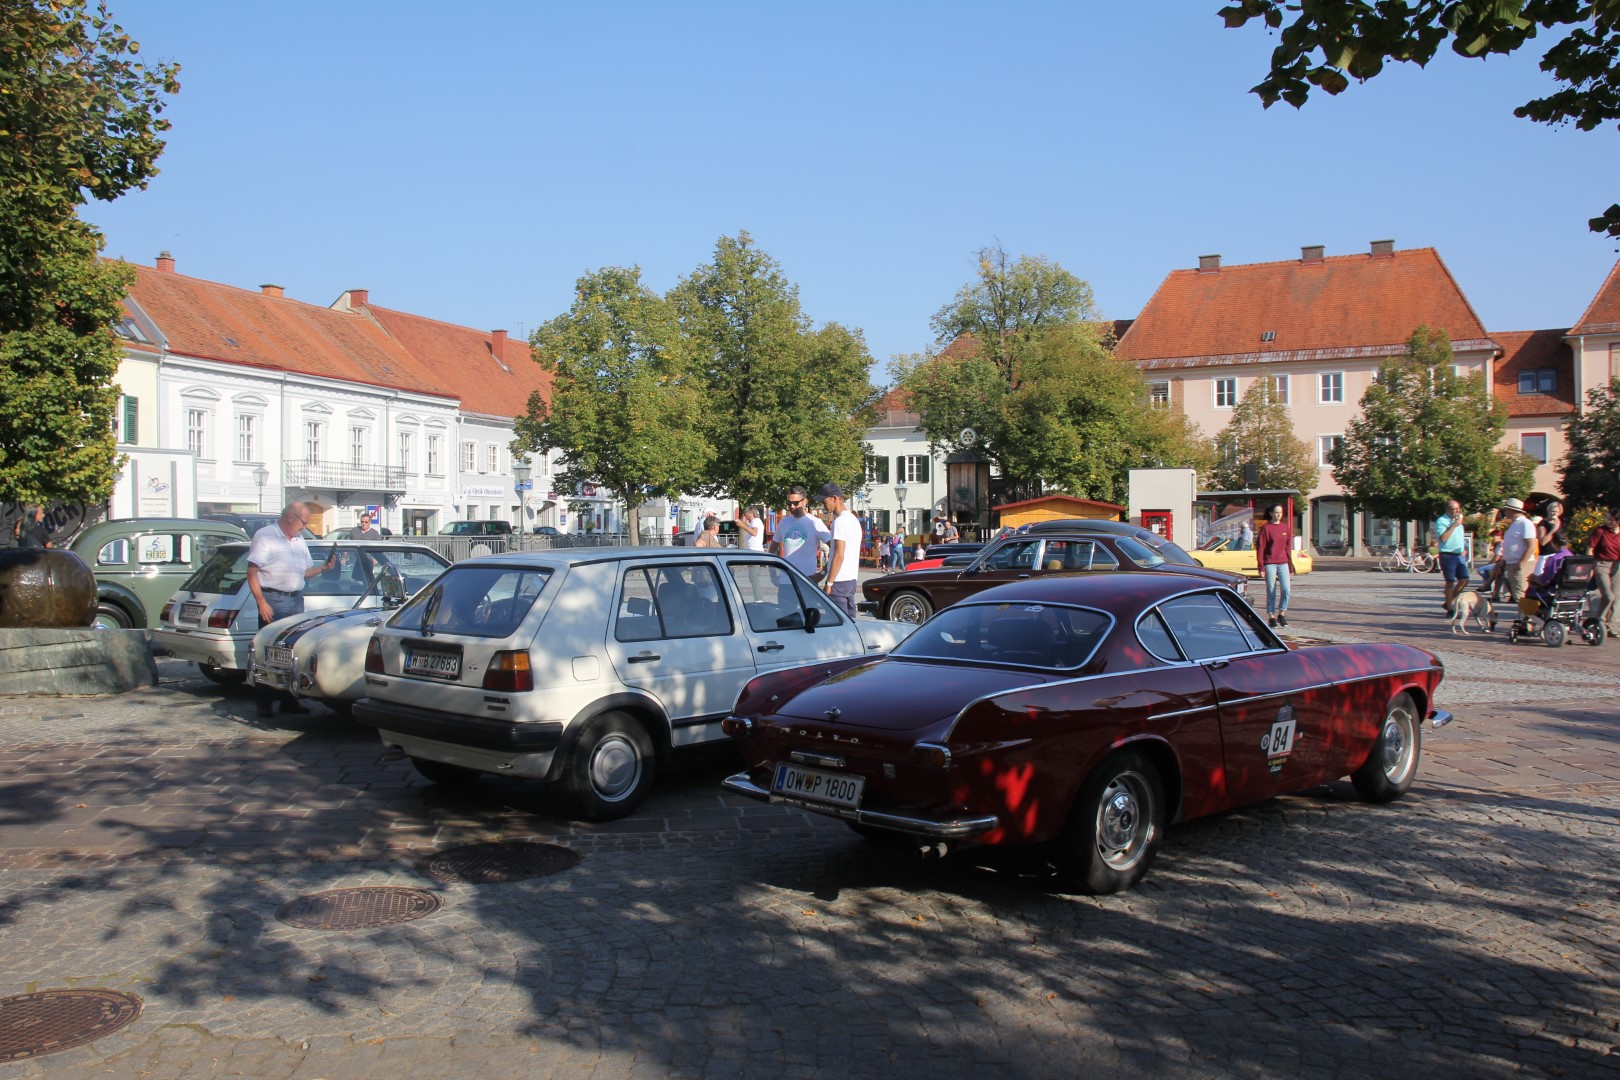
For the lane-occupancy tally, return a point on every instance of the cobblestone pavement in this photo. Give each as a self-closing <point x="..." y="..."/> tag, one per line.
<point x="147" y="840"/>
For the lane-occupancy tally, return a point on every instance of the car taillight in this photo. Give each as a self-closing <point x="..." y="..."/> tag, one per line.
<point x="508" y="670"/>
<point x="221" y="618"/>
<point x="736" y="726"/>
<point x="164" y="617"/>
<point x="374" y="657"/>
<point x="932" y="754"/>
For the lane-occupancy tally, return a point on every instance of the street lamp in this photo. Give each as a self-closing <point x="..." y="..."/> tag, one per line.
<point x="261" y="476"/>
<point x="900" y="497"/>
<point x="520" y="483"/>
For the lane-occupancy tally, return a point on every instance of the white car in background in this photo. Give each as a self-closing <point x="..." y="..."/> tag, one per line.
<point x="324" y="656"/>
<point x="583" y="667"/>
<point x="211" y="619"/>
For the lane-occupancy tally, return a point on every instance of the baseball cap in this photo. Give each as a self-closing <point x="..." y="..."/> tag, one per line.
<point x="831" y="491"/>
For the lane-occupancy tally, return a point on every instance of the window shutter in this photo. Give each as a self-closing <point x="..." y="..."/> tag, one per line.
<point x="131" y="418"/>
<point x="922" y="469"/>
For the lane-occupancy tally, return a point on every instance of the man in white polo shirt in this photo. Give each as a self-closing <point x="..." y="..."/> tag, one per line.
<point x="278" y="564"/>
<point x="844" y="562"/>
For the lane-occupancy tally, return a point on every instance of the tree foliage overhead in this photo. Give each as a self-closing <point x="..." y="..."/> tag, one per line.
<point x="787" y="403"/>
<point x="1590" y="472"/>
<point x="1011" y="303"/>
<point x="625" y="408"/>
<point x="1261" y="432"/>
<point x="1425" y="434"/>
<point x="1330" y="42"/>
<point x="78" y="119"/>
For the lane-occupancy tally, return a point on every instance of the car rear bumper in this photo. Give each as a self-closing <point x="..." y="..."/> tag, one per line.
<point x="499" y="736"/>
<point x="209" y="650"/>
<point x="929" y="828"/>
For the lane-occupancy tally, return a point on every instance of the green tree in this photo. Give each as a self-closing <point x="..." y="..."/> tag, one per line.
<point x="1011" y="303"/>
<point x="1330" y="42"/>
<point x="1261" y="432"/>
<point x="1079" y="420"/>
<point x="1426" y="433"/>
<point x="78" y="119"/>
<point x="959" y="390"/>
<point x="786" y="403"/>
<point x="1590" y="472"/>
<point x="625" y="408"/>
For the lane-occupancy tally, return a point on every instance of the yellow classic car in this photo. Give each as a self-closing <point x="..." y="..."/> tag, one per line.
<point x="1219" y="554"/>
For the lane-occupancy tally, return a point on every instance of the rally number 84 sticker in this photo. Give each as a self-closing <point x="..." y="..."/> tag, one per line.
<point x="1279" y="741"/>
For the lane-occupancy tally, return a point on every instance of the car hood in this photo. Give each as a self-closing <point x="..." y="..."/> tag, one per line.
<point x="898" y="695"/>
<point x="291" y="635"/>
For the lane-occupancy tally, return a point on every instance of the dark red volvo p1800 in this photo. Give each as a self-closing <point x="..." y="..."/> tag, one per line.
<point x="1085" y="714"/>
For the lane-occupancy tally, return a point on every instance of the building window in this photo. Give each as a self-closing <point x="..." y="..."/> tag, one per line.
<point x="1279" y="388"/>
<point x="1538" y="381"/>
<point x="1330" y="388"/>
<point x="357" y="446"/>
<point x="405" y="450"/>
<point x="312" y="441"/>
<point x="469" y="456"/>
<point x="877" y="470"/>
<point x="912" y="469"/>
<point x="246" y="437"/>
<point x="492" y="461"/>
<point x="1225" y="393"/>
<point x="197" y="432"/>
<point x="1326" y="447"/>
<point x="1534" y="443"/>
<point x="433" y="466"/>
<point x="1159" y="393"/>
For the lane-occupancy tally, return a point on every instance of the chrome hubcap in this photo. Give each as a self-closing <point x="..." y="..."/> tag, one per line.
<point x="1123" y="821"/>
<point x="615" y="768"/>
<point x="1397" y="743"/>
<point x="908" y="610"/>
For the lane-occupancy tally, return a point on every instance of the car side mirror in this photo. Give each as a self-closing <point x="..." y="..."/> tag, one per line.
<point x="391" y="586"/>
<point x="812" y="619"/>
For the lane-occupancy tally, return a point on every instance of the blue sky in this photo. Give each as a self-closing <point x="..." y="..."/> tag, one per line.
<point x="469" y="161"/>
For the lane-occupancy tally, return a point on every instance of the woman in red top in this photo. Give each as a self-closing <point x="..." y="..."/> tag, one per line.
<point x="1274" y="553"/>
<point x="1604" y="546"/>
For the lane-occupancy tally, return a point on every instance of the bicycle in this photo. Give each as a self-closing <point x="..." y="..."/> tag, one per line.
<point x="1414" y="562"/>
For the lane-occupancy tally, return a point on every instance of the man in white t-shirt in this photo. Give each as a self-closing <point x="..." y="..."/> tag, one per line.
<point x="752" y="530"/>
<point x="799" y="535"/>
<point x="1519" y="547"/>
<point x="844" y="563"/>
<point x="278" y="564"/>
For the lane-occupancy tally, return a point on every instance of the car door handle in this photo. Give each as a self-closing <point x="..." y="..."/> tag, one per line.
<point x="772" y="646"/>
<point x="1021" y="577"/>
<point x="1216" y="665"/>
<point x="644" y="658"/>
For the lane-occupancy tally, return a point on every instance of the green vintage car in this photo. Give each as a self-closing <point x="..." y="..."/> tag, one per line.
<point x="140" y="562"/>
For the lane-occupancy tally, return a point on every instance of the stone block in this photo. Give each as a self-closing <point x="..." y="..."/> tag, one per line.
<point x="74" y="662"/>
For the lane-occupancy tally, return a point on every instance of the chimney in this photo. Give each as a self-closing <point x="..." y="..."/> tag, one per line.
<point x="1209" y="264"/>
<point x="1311" y="253"/>
<point x="359" y="297"/>
<point x="497" y="343"/>
<point x="165" y="263"/>
<point x="1382" y="248"/>
<point x="272" y="290"/>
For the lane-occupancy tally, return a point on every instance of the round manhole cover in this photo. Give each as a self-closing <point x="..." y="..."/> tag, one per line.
<point x="491" y="864"/>
<point x="358" y="909"/>
<point x="52" y="1020"/>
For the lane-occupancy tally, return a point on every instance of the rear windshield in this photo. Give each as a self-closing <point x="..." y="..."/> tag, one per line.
<point x="1172" y="552"/>
<point x="476" y="601"/>
<point x="1139" y="553"/>
<point x="224" y="572"/>
<point x="1018" y="635"/>
<point x="352" y="575"/>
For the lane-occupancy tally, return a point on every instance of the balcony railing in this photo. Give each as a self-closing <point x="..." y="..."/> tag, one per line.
<point x="342" y="476"/>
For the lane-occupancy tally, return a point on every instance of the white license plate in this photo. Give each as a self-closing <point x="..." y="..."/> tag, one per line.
<point x="435" y="665"/>
<point x="278" y="655"/>
<point x="191" y="612"/>
<point x="835" y="788"/>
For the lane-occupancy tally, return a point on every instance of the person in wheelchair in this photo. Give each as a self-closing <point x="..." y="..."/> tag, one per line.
<point x="1556" y="598"/>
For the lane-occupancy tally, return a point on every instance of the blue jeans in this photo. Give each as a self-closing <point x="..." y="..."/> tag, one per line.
<point x="842" y="594"/>
<point x="1277" y="581"/>
<point x="281" y="605"/>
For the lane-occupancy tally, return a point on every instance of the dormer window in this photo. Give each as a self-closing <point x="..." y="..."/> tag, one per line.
<point x="1268" y="335"/>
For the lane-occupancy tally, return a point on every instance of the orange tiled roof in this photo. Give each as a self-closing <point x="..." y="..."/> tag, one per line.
<point x="1339" y="307"/>
<point x="1602" y="315"/>
<point x="210" y="321"/>
<point x="464" y="362"/>
<point x="1531" y="350"/>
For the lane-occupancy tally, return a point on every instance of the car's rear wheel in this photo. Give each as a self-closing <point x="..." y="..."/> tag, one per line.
<point x="111" y="617"/>
<point x="441" y="772"/>
<point x="1392" y="764"/>
<point x="908" y="606"/>
<point x="1115" y="826"/>
<point x="610" y="769"/>
<point x="223" y="676"/>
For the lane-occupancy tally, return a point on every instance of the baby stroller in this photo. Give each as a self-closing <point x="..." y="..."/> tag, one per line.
<point x="1558" y="609"/>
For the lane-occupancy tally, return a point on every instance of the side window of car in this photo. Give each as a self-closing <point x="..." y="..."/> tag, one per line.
<point x="638" y="616"/>
<point x="1205" y="627"/>
<point x="769" y="599"/>
<point x="1077" y="555"/>
<point x="113" y="553"/>
<point x="684" y="601"/>
<point x="1249" y="623"/>
<point x="1155" y="637"/>
<point x="1015" y="556"/>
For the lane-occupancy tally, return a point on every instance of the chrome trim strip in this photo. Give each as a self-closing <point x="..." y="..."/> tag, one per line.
<point x="949" y="829"/>
<point x="810" y="757"/>
<point x="1182" y="712"/>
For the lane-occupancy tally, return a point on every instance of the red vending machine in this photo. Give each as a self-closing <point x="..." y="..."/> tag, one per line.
<point x="1159" y="522"/>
